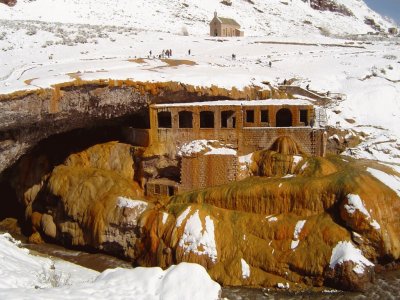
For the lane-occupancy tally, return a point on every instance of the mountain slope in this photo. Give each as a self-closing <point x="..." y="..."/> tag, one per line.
<point x="257" y="17"/>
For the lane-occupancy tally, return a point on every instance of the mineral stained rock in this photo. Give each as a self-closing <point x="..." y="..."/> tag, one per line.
<point x="302" y="221"/>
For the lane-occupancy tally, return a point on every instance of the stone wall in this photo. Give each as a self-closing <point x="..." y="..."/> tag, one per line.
<point x="311" y="141"/>
<point x="246" y="137"/>
<point x="207" y="170"/>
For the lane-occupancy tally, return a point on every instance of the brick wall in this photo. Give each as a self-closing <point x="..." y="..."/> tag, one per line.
<point x="311" y="141"/>
<point x="207" y="170"/>
<point x="250" y="139"/>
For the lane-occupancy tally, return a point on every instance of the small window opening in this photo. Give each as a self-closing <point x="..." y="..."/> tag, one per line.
<point x="185" y="119"/>
<point x="157" y="189"/>
<point x="171" y="191"/>
<point x="304" y="116"/>
<point x="264" y="116"/>
<point x="164" y="119"/>
<point x="206" y="119"/>
<point x="249" y="116"/>
<point x="228" y="119"/>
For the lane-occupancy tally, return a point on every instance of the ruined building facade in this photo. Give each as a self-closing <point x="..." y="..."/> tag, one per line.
<point x="245" y="126"/>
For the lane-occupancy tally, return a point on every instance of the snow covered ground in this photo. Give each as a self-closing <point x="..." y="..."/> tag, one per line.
<point x="25" y="276"/>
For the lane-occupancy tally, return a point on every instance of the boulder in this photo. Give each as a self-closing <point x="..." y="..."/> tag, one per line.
<point x="48" y="226"/>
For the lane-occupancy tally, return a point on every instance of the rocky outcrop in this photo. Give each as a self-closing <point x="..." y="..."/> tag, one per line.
<point x="31" y="116"/>
<point x="87" y="201"/>
<point x="330" y="5"/>
<point x="312" y="221"/>
<point x="346" y="277"/>
<point x="9" y="2"/>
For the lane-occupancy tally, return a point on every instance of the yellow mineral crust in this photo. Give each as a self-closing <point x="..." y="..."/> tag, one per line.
<point x="277" y="227"/>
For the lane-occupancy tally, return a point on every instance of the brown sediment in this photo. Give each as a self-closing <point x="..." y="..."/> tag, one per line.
<point x="138" y="60"/>
<point x="29" y="81"/>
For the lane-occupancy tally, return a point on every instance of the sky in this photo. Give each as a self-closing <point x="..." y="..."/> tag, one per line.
<point x="390" y="8"/>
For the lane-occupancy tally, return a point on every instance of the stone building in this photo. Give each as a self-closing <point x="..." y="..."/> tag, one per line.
<point x="242" y="127"/>
<point x="224" y="27"/>
<point x="247" y="125"/>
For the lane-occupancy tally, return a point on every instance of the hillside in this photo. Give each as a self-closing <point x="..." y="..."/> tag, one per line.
<point x="258" y="18"/>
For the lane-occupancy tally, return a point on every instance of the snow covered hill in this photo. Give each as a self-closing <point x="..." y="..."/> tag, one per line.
<point x="257" y="17"/>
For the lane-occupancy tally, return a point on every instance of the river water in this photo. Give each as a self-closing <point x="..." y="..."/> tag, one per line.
<point x="387" y="285"/>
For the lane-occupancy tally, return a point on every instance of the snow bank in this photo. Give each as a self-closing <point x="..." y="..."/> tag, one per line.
<point x="271" y="219"/>
<point x="391" y="181"/>
<point x="164" y="218"/>
<point x="183" y="281"/>
<point x="296" y="160"/>
<point x="297" y="230"/>
<point x="193" y="147"/>
<point x="197" y="146"/>
<point x="245" y="269"/>
<point x="345" y="251"/>
<point x="283" y="286"/>
<point x="221" y="151"/>
<point x="355" y="203"/>
<point x="123" y="202"/>
<point x="19" y="269"/>
<point x="24" y="276"/>
<point x="182" y="216"/>
<point x="197" y="240"/>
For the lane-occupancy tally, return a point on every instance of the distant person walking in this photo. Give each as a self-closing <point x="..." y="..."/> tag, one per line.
<point x="189" y="51"/>
<point x="270" y="64"/>
<point x="150" y="53"/>
<point x="308" y="87"/>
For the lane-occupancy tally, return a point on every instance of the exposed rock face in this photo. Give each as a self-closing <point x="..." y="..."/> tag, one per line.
<point x="9" y="2"/>
<point x="344" y="276"/>
<point x="31" y="117"/>
<point x="261" y="231"/>
<point x="330" y="5"/>
<point x="85" y="201"/>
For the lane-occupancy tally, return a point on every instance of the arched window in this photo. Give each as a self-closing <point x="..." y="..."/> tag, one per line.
<point x="185" y="119"/>
<point x="284" y="118"/>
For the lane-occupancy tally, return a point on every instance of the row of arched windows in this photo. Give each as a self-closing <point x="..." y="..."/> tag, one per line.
<point x="228" y="118"/>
